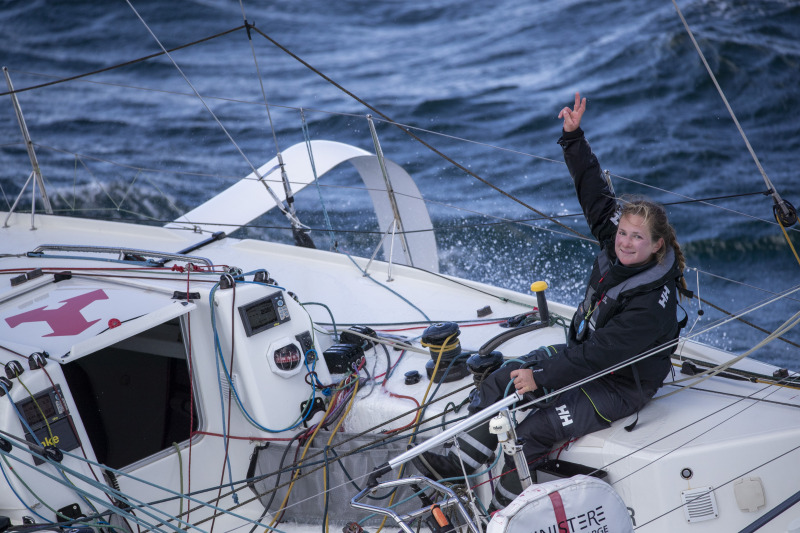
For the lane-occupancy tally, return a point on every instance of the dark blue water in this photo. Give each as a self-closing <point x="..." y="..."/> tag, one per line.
<point x="496" y="75"/>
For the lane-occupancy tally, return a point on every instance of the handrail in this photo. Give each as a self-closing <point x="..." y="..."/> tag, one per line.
<point x="39" y="250"/>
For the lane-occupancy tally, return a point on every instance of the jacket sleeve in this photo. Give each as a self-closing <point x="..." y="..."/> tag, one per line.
<point x="595" y="196"/>
<point x="630" y="332"/>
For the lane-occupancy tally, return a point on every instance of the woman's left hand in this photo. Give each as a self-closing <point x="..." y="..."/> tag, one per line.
<point x="523" y="380"/>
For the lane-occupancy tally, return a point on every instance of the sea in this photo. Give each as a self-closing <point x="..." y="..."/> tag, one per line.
<point x="481" y="82"/>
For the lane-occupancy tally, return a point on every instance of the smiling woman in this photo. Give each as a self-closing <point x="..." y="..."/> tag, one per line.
<point x="629" y="309"/>
<point x="645" y="234"/>
<point x="199" y="354"/>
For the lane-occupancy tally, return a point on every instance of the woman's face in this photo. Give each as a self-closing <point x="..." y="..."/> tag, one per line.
<point x="634" y="245"/>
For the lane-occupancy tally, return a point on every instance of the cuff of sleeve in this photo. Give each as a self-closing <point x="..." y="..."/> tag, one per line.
<point x="571" y="135"/>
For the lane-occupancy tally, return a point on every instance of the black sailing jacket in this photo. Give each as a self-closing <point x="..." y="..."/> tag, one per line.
<point x="638" y="309"/>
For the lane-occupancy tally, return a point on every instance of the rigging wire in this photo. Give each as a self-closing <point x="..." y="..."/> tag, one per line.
<point x="307" y="139"/>
<point x="703" y="201"/>
<point x="278" y="203"/>
<point x="35" y="450"/>
<point x="120" y="65"/>
<point x="698" y="378"/>
<point x="407" y="131"/>
<point x="786" y="235"/>
<point x="246" y="25"/>
<point x="687" y="199"/>
<point x="739" y="318"/>
<point x="405" y="128"/>
<point x="402" y="126"/>
<point x="499" y="220"/>
<point x="296" y="466"/>
<point x="24" y="422"/>
<point x="725" y="483"/>
<point x="755" y="401"/>
<point x="301" y="236"/>
<point x="748" y="145"/>
<point x="779" y="203"/>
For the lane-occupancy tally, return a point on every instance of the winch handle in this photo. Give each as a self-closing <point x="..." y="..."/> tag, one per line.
<point x="544" y="320"/>
<point x="539" y="287"/>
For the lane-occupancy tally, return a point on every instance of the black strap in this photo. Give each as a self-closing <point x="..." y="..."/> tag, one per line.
<point x="684" y="320"/>
<point x="681" y="289"/>
<point x="635" y="370"/>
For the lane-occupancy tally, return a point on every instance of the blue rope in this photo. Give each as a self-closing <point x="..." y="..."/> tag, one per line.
<point x="93" y="483"/>
<point x="221" y="396"/>
<point x="29" y="429"/>
<point x="8" y="481"/>
<point x="221" y="360"/>
<point x="140" y="504"/>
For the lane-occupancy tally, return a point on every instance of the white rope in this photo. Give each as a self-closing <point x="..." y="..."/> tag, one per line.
<point x="711" y="372"/>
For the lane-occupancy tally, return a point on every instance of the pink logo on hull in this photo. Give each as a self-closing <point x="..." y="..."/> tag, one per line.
<point x="66" y="320"/>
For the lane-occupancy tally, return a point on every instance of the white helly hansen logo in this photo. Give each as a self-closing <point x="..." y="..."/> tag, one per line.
<point x="617" y="214"/>
<point x="563" y="413"/>
<point x="664" y="295"/>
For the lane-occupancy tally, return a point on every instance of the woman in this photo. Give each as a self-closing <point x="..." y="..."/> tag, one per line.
<point x="630" y="308"/>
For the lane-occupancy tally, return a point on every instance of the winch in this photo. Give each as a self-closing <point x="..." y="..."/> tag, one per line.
<point x="441" y="339"/>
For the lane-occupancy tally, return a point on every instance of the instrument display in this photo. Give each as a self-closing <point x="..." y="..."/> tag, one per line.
<point x="264" y="314"/>
<point x="48" y="417"/>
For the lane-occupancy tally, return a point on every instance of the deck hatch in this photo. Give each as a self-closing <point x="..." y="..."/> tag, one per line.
<point x="77" y="317"/>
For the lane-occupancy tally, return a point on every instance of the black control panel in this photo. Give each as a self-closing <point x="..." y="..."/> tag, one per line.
<point x="49" y="419"/>
<point x="307" y="343"/>
<point x="264" y="314"/>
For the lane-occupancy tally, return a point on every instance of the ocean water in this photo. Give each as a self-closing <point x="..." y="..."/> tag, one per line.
<point x="481" y="81"/>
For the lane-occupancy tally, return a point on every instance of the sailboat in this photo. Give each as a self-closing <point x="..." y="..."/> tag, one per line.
<point x="180" y="376"/>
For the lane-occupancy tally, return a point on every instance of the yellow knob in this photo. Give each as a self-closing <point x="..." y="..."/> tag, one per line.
<point x="538" y="286"/>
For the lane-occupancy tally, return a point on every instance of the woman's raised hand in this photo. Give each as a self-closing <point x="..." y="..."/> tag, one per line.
<point x="572" y="117"/>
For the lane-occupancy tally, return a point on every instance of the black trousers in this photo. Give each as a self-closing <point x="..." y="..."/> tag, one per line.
<point x="575" y="413"/>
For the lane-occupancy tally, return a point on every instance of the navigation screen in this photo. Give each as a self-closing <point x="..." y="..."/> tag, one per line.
<point x="263" y="314"/>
